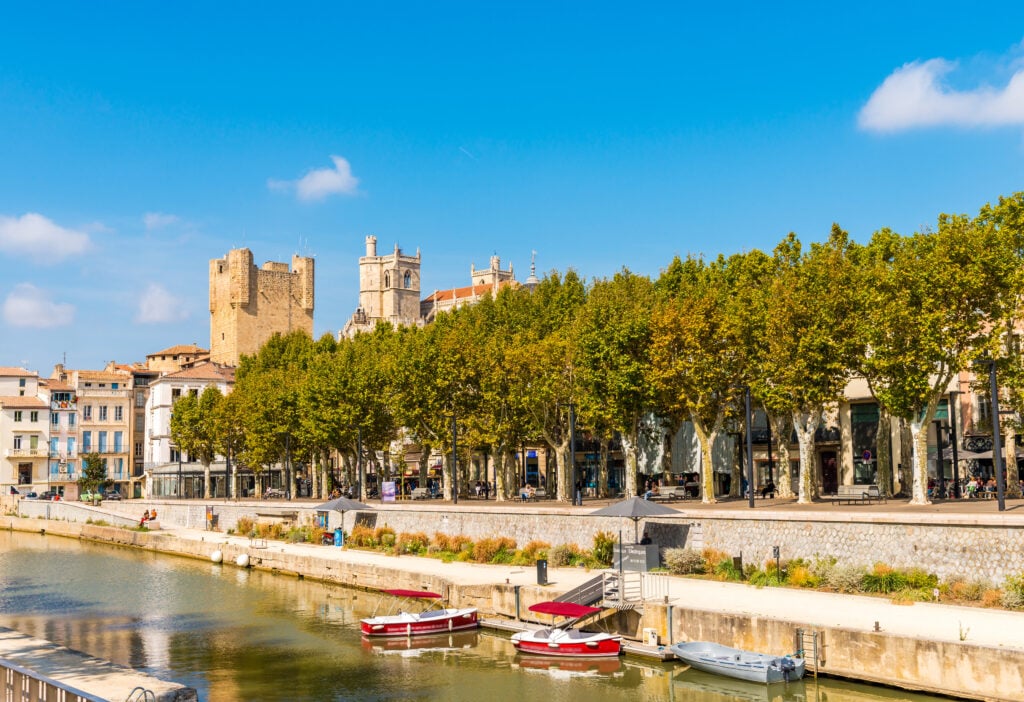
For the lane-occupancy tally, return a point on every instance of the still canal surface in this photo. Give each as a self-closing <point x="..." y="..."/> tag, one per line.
<point x="247" y="635"/>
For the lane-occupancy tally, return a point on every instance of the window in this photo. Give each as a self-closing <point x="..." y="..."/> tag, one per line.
<point x="407" y="279"/>
<point x="138" y="449"/>
<point x="87" y="413"/>
<point x="54" y="441"/>
<point x="33" y="442"/>
<point x="175" y="455"/>
<point x="113" y="386"/>
<point x="118" y="442"/>
<point x="21" y="382"/>
<point x="87" y="441"/>
<point x="118" y="413"/>
<point x="17" y="442"/>
<point x="102" y="437"/>
<point x="17" y="415"/>
<point x="175" y="395"/>
<point x="387" y="279"/>
<point x="71" y="446"/>
<point x="71" y="419"/>
<point x="103" y="413"/>
<point x="54" y="418"/>
<point x="54" y="467"/>
<point x="140" y="399"/>
<point x="33" y="416"/>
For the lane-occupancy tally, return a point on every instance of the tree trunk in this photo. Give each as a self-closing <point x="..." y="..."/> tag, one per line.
<point x="206" y="481"/>
<point x="602" y="470"/>
<point x="783" y="482"/>
<point x="629" y="452"/>
<point x="562" y="471"/>
<point x="919" y="440"/>
<point x="707" y="469"/>
<point x="805" y="424"/>
<point x="906" y="462"/>
<point x="883" y="442"/>
<point x="1010" y="459"/>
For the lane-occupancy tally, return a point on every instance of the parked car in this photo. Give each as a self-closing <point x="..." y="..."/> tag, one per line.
<point x="30" y="496"/>
<point x="49" y="495"/>
<point x="111" y="495"/>
<point x="90" y="496"/>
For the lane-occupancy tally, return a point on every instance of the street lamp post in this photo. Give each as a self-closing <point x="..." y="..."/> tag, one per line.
<point x="940" y="463"/>
<point x="179" y="472"/>
<point x="455" y="461"/>
<point x="750" y="449"/>
<point x="577" y="489"/>
<point x="997" y="448"/>
<point x="953" y="441"/>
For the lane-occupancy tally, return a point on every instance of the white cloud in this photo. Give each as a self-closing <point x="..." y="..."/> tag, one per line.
<point x="28" y="306"/>
<point x="157" y="306"/>
<point x="917" y="96"/>
<point x="37" y="237"/>
<point x="321" y="182"/>
<point x="158" y="220"/>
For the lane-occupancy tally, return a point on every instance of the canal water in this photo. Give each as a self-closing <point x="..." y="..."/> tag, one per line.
<point x="239" y="635"/>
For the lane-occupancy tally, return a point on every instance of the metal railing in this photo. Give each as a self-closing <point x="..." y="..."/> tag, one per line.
<point x="23" y="684"/>
<point x="633" y="587"/>
<point x="26" y="453"/>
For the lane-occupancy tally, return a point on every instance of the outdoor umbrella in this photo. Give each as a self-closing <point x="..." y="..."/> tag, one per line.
<point x="635" y="508"/>
<point x="987" y="455"/>
<point x="341" y="504"/>
<point x="961" y="455"/>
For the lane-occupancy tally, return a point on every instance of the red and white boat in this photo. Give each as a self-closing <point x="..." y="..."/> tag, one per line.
<point x="424" y="621"/>
<point x="566" y="640"/>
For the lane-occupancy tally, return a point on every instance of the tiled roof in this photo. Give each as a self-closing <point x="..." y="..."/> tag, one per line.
<point x="467" y="292"/>
<point x="55" y="385"/>
<point x="178" y="350"/>
<point x="15" y="372"/>
<point x="101" y="375"/>
<point x="205" y="371"/>
<point x="26" y="402"/>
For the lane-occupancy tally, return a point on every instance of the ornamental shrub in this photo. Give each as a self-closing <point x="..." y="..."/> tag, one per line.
<point x="362" y="537"/>
<point x="1013" y="592"/>
<point x="565" y="555"/>
<point x="411" y="542"/>
<point x="883" y="579"/>
<point x="683" y="561"/>
<point x="494" y="550"/>
<point x="604" y="548"/>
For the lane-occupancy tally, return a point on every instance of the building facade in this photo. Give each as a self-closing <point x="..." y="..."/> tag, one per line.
<point x="248" y="305"/>
<point x="24" y="430"/>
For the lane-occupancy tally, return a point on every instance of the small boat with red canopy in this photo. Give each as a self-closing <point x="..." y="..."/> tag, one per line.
<point x="566" y="640"/>
<point x="423" y="621"/>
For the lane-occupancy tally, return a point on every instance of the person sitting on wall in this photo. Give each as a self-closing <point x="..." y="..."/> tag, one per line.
<point x="768" y="490"/>
<point x="531" y="492"/>
<point x="646" y="539"/>
<point x="145" y="518"/>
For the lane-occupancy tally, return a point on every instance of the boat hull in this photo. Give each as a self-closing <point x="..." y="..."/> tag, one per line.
<point x="413" y="624"/>
<point x="739" y="664"/>
<point x="567" y="643"/>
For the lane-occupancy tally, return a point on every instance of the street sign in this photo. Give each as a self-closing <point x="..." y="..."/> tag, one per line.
<point x="866" y="455"/>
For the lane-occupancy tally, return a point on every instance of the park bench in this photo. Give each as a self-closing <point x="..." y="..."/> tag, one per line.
<point x="858" y="493"/>
<point x="671" y="493"/>
<point x="420" y="493"/>
<point x="540" y="494"/>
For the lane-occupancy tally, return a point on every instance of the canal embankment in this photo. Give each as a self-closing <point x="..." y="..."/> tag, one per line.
<point x="965" y="652"/>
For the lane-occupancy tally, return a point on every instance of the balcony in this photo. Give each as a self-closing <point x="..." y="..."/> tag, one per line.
<point x="63" y="405"/>
<point x="26" y="453"/>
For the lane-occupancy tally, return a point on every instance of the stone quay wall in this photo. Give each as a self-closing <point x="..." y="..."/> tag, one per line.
<point x="958" y="669"/>
<point x="978" y="547"/>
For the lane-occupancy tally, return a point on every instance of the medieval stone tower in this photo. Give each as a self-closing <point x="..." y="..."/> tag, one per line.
<point x="248" y="304"/>
<point x="389" y="290"/>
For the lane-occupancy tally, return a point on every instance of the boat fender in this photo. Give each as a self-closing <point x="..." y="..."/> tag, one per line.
<point x="408" y="629"/>
<point x="449" y="625"/>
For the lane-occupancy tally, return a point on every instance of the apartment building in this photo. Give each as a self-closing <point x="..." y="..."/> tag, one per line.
<point x="62" y="454"/>
<point x="104" y="408"/>
<point x="23" y="430"/>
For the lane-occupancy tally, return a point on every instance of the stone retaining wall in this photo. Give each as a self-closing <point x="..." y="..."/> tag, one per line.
<point x="987" y="547"/>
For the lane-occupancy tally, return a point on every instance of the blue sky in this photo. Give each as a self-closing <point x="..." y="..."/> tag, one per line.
<point x="140" y="140"/>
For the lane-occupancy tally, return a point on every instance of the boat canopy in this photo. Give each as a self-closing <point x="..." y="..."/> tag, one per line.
<point x="563" y="609"/>
<point x="414" y="593"/>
